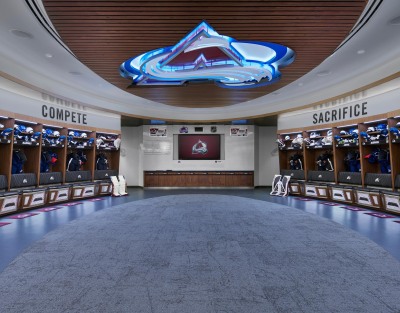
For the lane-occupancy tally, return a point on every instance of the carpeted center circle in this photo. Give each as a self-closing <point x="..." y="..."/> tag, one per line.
<point x="201" y="253"/>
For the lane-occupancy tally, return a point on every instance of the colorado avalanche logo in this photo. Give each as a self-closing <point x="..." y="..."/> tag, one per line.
<point x="200" y="148"/>
<point x="204" y="55"/>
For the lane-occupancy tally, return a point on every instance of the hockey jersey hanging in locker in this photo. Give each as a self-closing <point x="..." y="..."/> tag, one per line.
<point x="101" y="162"/>
<point x="47" y="158"/>
<point x="296" y="162"/>
<point x="324" y="161"/>
<point x="18" y="161"/>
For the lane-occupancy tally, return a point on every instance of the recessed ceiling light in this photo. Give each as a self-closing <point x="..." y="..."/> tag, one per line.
<point x="361" y="51"/>
<point x="300" y="84"/>
<point x="75" y="73"/>
<point x="48" y="55"/>
<point x="323" y="73"/>
<point x="395" y="21"/>
<point x="20" y="33"/>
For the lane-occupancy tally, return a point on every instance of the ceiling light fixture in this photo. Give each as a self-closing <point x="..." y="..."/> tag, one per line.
<point x="21" y="34"/>
<point x="205" y="55"/>
<point x="323" y="73"/>
<point x="395" y="21"/>
<point x="48" y="55"/>
<point x="76" y="73"/>
<point x="361" y="51"/>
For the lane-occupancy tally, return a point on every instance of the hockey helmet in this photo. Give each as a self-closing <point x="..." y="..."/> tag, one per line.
<point x="394" y="131"/>
<point x="6" y="132"/>
<point x="29" y="130"/>
<point x="56" y="133"/>
<point x="280" y="143"/>
<point x="71" y="133"/>
<point x="384" y="133"/>
<point x="83" y="135"/>
<point x="287" y="137"/>
<point x="371" y="129"/>
<point x="314" y="134"/>
<point x="36" y="135"/>
<point x="364" y="135"/>
<point x="117" y="143"/>
<point x="381" y="127"/>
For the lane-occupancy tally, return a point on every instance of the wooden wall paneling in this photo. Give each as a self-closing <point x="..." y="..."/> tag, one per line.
<point x="238" y="179"/>
<point x="163" y="179"/>
<point x="394" y="148"/>
<point x="283" y="160"/>
<point x="176" y="179"/>
<point x="151" y="179"/>
<point x="6" y="150"/>
<point x="190" y="179"/>
<point x="59" y="166"/>
<point x="309" y="161"/>
<point x="230" y="179"/>
<point x="103" y="34"/>
<point x="115" y="158"/>
<point x="203" y="179"/>
<point x="338" y="156"/>
<point x="363" y="152"/>
<point x="246" y="179"/>
<point x="32" y="165"/>
<point x="218" y="179"/>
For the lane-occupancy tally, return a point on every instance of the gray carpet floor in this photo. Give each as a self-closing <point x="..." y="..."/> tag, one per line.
<point x="200" y="254"/>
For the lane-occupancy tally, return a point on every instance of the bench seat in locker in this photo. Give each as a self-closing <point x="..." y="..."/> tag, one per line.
<point x="30" y="196"/>
<point x="378" y="180"/>
<point x="351" y="178"/>
<point x="368" y="197"/>
<point x="8" y="199"/>
<point x="343" y="193"/>
<point x="391" y="200"/>
<point x="296" y="183"/>
<point x="103" y="181"/>
<point x="56" y="192"/>
<point x="82" y="190"/>
<point x="316" y="190"/>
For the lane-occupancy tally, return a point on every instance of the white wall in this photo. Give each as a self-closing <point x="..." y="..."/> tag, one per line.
<point x="239" y="151"/>
<point x="380" y="99"/>
<point x="140" y="152"/>
<point x="131" y="155"/>
<point x="266" y="156"/>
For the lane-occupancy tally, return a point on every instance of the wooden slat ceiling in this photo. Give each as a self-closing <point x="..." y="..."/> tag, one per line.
<point x="103" y="34"/>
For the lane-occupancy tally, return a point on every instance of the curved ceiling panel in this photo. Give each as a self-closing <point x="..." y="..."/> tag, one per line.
<point x="103" y="34"/>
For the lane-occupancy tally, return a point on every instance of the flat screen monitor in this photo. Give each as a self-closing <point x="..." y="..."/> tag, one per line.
<point x="199" y="147"/>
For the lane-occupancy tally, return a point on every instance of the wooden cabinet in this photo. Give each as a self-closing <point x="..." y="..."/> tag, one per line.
<point x="36" y="140"/>
<point x="366" y="159"/>
<point x="198" y="179"/>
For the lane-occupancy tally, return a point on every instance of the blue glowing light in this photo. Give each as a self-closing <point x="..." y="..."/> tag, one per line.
<point x="239" y="122"/>
<point x="157" y="122"/>
<point x="205" y="55"/>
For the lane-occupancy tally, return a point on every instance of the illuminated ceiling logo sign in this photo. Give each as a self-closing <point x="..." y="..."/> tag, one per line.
<point x="200" y="148"/>
<point x="205" y="55"/>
